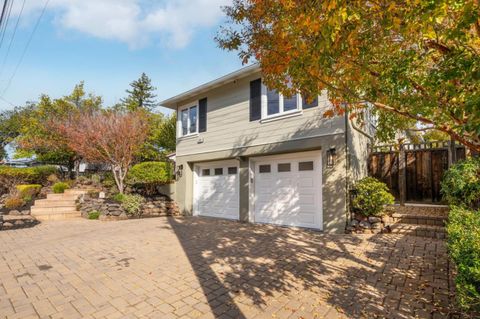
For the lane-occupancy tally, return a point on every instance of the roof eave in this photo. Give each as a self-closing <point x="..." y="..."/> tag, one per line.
<point x="171" y="103"/>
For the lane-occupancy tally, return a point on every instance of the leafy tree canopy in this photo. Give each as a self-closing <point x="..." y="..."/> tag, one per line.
<point x="141" y="95"/>
<point x="416" y="59"/>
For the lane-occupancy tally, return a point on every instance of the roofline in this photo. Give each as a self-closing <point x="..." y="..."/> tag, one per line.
<point x="243" y="72"/>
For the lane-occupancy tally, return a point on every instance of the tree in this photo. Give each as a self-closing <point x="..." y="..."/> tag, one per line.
<point x="38" y="136"/>
<point x="161" y="138"/>
<point x="107" y="137"/>
<point x="11" y="123"/>
<point x="416" y="59"/>
<point x="141" y="95"/>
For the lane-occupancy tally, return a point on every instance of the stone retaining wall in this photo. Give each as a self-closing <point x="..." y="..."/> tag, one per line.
<point x="111" y="210"/>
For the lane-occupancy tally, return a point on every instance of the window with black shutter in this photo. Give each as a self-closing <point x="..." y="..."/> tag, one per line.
<point x="202" y="115"/>
<point x="255" y="100"/>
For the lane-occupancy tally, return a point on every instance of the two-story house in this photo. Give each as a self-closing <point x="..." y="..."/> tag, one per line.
<point x="247" y="153"/>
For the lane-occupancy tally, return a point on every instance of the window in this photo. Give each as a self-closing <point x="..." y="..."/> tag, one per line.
<point x="264" y="168"/>
<point x="309" y="102"/>
<point x="206" y="172"/>
<point x="305" y="166"/>
<point x="189" y="120"/>
<point x="232" y="170"/>
<point x="219" y="171"/>
<point x="284" y="167"/>
<point x="273" y="102"/>
<point x="290" y="103"/>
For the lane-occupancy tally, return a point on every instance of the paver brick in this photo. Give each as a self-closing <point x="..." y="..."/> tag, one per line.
<point x="207" y="268"/>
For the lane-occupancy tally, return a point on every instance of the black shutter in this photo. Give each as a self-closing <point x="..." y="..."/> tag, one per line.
<point x="202" y="115"/>
<point x="307" y="105"/>
<point x="255" y="100"/>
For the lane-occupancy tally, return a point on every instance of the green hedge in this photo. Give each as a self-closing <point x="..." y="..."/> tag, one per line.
<point x="149" y="175"/>
<point x="461" y="184"/>
<point x="463" y="238"/>
<point x="12" y="176"/>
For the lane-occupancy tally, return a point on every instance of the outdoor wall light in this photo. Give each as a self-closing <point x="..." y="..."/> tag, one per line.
<point x="331" y="157"/>
<point x="179" y="171"/>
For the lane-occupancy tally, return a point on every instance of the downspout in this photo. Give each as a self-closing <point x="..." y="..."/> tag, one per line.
<point x="347" y="170"/>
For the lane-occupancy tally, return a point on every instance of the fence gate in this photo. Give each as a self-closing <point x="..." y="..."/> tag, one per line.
<point x="414" y="171"/>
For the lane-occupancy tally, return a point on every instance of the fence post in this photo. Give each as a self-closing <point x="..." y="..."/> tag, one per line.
<point x="402" y="185"/>
<point x="452" y="152"/>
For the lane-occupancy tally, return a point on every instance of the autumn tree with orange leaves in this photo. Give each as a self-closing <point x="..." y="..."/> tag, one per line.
<point x="415" y="61"/>
<point x="108" y="137"/>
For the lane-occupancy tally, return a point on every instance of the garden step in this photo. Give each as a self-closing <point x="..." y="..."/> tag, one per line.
<point x="62" y="196"/>
<point x="77" y="191"/>
<point x="419" y="230"/>
<point x="55" y="203"/>
<point x="432" y="220"/>
<point x="58" y="216"/>
<point x="52" y="210"/>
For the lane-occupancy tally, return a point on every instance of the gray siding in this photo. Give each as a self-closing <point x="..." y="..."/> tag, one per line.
<point x="229" y="128"/>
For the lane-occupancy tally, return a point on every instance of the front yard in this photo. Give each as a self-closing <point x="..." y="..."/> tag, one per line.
<point x="197" y="267"/>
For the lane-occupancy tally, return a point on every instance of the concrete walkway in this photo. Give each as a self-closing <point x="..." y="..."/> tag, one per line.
<point x="204" y="268"/>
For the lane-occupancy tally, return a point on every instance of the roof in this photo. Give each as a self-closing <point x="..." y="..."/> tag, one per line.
<point x="243" y="72"/>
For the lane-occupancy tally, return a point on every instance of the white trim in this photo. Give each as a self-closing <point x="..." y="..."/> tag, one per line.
<point x="281" y="116"/>
<point x="260" y="144"/>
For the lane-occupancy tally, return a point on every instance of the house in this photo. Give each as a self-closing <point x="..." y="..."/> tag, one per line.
<point x="247" y="153"/>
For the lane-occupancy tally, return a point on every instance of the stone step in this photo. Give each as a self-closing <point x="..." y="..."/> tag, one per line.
<point x="414" y="219"/>
<point x="62" y="196"/>
<point x="52" y="210"/>
<point x="428" y="231"/>
<point x="77" y="191"/>
<point x="58" y="216"/>
<point x="55" y="203"/>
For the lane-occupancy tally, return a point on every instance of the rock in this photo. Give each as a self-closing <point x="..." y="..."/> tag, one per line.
<point x="365" y="225"/>
<point x="116" y="212"/>
<point x="123" y="216"/>
<point x="354" y="223"/>
<point x="374" y="219"/>
<point x="25" y="212"/>
<point x="377" y="225"/>
<point x="14" y="212"/>
<point x="7" y="225"/>
<point x="19" y="223"/>
<point x="101" y="195"/>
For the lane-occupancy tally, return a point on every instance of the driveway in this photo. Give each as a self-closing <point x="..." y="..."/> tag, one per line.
<point x="205" y="268"/>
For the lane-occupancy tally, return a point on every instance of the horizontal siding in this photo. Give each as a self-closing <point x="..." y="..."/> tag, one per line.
<point x="228" y="124"/>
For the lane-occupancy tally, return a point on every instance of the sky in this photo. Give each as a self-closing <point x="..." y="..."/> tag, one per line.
<point x="108" y="44"/>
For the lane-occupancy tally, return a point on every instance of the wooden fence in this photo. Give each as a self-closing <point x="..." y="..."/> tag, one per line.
<point x="413" y="172"/>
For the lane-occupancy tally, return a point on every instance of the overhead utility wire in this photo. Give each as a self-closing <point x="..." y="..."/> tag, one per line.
<point x="13" y="36"/>
<point x="26" y="47"/>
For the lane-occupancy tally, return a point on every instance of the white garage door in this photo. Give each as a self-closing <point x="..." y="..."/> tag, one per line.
<point x="287" y="190"/>
<point x="216" y="191"/>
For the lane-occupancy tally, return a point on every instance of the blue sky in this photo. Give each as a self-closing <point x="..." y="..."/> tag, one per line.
<point x="109" y="43"/>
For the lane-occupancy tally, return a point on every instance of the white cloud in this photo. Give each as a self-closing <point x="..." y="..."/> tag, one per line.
<point x="135" y="22"/>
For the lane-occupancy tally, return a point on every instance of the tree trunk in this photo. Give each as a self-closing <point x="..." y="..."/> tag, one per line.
<point x="77" y="168"/>
<point x="118" y="176"/>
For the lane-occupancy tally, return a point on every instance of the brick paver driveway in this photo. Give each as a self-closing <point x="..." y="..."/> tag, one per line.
<point x="193" y="267"/>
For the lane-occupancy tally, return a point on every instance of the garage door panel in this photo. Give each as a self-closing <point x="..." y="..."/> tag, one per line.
<point x="217" y="195"/>
<point x="290" y="192"/>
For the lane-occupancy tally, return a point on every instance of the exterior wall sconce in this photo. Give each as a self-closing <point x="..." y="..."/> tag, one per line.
<point x="331" y="157"/>
<point x="179" y="171"/>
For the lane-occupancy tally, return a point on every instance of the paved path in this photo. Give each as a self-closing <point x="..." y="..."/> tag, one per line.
<point x="204" y="268"/>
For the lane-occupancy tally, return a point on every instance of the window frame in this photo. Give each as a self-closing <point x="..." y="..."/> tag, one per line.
<point x="180" y="111"/>
<point x="281" y="107"/>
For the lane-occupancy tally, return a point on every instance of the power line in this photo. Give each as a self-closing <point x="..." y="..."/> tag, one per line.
<point x="26" y="47"/>
<point x="3" y="31"/>
<point x="4" y="9"/>
<point x="13" y="36"/>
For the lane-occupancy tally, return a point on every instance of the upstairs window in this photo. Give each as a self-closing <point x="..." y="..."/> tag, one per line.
<point x="189" y="120"/>
<point x="277" y="103"/>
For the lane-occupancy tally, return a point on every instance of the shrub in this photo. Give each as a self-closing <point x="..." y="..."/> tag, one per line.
<point x="28" y="192"/>
<point x="133" y="204"/>
<point x="463" y="240"/>
<point x="371" y="197"/>
<point x="118" y="197"/>
<point x="14" y="202"/>
<point x="12" y="176"/>
<point x="149" y="175"/>
<point x="461" y="183"/>
<point x="94" y="214"/>
<point x="60" y="187"/>
<point x="52" y="178"/>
